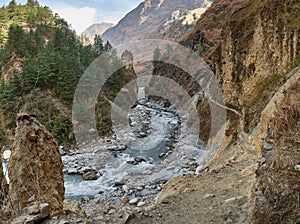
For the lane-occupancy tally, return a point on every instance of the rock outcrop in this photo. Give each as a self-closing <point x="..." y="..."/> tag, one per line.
<point x="35" y="168"/>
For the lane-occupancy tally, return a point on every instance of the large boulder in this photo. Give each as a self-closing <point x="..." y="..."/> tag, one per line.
<point x="33" y="213"/>
<point x="35" y="167"/>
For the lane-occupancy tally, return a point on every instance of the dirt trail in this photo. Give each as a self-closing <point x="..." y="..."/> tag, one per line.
<point x="226" y="192"/>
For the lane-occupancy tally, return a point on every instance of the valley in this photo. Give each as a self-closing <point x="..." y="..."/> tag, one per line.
<point x="182" y="112"/>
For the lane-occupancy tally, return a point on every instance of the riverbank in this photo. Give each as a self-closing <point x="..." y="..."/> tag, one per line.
<point x="128" y="177"/>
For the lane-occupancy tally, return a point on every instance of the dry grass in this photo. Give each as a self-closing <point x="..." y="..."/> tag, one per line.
<point x="278" y="181"/>
<point x="285" y="118"/>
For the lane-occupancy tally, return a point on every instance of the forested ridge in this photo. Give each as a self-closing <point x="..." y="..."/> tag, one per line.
<point x="41" y="60"/>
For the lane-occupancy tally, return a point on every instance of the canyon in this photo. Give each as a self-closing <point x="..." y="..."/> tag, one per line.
<point x="150" y="171"/>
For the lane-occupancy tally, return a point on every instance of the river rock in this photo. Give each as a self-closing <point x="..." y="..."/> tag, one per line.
<point x="85" y="169"/>
<point x="85" y="199"/>
<point x="133" y="201"/>
<point x="139" y="159"/>
<point x="35" y="166"/>
<point x="142" y="135"/>
<point x="72" y="171"/>
<point x="125" y="188"/>
<point x="71" y="206"/>
<point x="141" y="203"/>
<point x="90" y="175"/>
<point x="111" y="211"/>
<point x="119" y="184"/>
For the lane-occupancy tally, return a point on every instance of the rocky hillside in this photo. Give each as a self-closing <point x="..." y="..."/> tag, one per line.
<point x="253" y="47"/>
<point x="249" y="58"/>
<point x="228" y="39"/>
<point x="167" y="19"/>
<point x="97" y="28"/>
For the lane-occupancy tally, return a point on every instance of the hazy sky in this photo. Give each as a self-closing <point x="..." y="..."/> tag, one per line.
<point x="82" y="13"/>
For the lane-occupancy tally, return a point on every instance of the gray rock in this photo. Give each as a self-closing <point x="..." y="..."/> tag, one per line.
<point x="118" y="184"/>
<point x="139" y="159"/>
<point x="125" y="188"/>
<point x="72" y="171"/>
<point x="142" y="135"/>
<point x="112" y="148"/>
<point x="122" y="148"/>
<point x="133" y="201"/>
<point x="111" y="211"/>
<point x="62" y="152"/>
<point x="141" y="203"/>
<point x="267" y="146"/>
<point x="208" y="196"/>
<point x="34" y="213"/>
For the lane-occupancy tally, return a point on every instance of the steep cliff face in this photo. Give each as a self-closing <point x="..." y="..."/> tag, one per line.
<point x="256" y="46"/>
<point x="154" y="18"/>
<point x="252" y="62"/>
<point x="35" y="168"/>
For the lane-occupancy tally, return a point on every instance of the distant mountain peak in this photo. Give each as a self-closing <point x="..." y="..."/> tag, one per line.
<point x="96" y="28"/>
<point x="153" y="19"/>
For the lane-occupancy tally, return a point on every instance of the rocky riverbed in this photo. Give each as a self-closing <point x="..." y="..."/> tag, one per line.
<point x="127" y="177"/>
<point x="119" y="175"/>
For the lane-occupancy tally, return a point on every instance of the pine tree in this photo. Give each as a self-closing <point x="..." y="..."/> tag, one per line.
<point x="12" y="4"/>
<point x="17" y="40"/>
<point x="107" y="46"/>
<point x="32" y="3"/>
<point x="12" y="9"/>
<point x="98" y="44"/>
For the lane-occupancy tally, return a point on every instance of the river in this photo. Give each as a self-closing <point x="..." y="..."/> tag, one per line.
<point x="150" y="148"/>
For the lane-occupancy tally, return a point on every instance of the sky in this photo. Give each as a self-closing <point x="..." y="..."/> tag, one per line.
<point x="83" y="13"/>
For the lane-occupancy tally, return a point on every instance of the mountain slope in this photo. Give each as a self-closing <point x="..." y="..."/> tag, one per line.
<point x="153" y="18"/>
<point x="97" y="28"/>
<point x="41" y="62"/>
